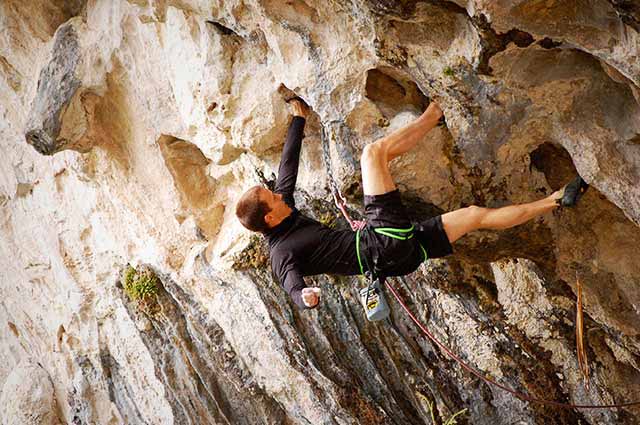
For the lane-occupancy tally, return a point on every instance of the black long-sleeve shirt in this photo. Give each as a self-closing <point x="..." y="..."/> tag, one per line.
<point x="299" y="245"/>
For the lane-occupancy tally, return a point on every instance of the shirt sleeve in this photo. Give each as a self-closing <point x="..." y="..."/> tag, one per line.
<point x="288" y="169"/>
<point x="291" y="279"/>
<point x="294" y="284"/>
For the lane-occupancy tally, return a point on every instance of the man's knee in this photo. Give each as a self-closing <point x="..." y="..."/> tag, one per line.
<point x="475" y="215"/>
<point x="373" y="152"/>
<point x="462" y="221"/>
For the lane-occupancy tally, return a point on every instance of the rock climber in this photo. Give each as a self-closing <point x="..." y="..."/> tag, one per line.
<point x="301" y="246"/>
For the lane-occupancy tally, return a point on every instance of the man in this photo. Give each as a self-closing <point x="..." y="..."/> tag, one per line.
<point x="300" y="246"/>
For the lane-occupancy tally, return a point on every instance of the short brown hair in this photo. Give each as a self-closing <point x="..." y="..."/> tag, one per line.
<point x="251" y="210"/>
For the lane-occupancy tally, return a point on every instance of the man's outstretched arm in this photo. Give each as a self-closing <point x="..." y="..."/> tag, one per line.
<point x="288" y="169"/>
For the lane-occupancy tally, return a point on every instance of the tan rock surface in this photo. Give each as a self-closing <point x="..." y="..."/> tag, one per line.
<point x="129" y="129"/>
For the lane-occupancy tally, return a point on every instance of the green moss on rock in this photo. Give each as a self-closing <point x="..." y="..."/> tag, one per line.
<point x="140" y="285"/>
<point x="328" y="218"/>
<point x="254" y="256"/>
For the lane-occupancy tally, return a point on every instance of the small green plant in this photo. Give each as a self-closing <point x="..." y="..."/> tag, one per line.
<point x="452" y="419"/>
<point x="139" y="285"/>
<point x="448" y="71"/>
<point x="254" y="256"/>
<point x="329" y="219"/>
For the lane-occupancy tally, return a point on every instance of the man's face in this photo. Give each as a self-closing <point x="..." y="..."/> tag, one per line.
<point x="279" y="208"/>
<point x="270" y="198"/>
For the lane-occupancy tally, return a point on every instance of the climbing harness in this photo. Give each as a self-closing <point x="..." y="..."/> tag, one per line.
<point x="377" y="308"/>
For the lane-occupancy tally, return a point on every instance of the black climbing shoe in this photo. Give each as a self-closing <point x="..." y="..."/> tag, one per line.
<point x="573" y="192"/>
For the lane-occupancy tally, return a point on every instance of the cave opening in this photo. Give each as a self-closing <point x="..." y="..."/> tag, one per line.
<point x="393" y="91"/>
<point x="555" y="163"/>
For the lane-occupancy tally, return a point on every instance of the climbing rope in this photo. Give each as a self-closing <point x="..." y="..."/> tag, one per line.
<point x="358" y="225"/>
<point x="490" y="381"/>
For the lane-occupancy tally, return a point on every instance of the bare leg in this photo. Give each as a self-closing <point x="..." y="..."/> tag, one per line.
<point x="374" y="162"/>
<point x="460" y="222"/>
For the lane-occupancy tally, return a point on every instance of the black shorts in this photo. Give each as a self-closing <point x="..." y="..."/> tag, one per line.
<point x="395" y="256"/>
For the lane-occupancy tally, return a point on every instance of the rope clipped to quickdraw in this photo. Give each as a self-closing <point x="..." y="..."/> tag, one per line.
<point x="337" y="196"/>
<point x="268" y="183"/>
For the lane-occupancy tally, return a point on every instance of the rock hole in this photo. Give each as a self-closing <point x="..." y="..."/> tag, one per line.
<point x="353" y="190"/>
<point x="393" y="92"/>
<point x="60" y="336"/>
<point x="222" y="29"/>
<point x="555" y="162"/>
<point x="547" y="43"/>
<point x="519" y="38"/>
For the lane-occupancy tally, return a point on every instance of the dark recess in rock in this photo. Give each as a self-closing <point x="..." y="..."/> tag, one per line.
<point x="73" y="8"/>
<point x="555" y="162"/>
<point x="635" y="140"/>
<point x="629" y="12"/>
<point x="493" y="43"/>
<point x="222" y="29"/>
<point x="547" y="43"/>
<point x="519" y="38"/>
<point x="392" y="91"/>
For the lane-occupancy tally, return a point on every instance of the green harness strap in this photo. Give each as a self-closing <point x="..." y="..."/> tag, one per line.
<point x="392" y="232"/>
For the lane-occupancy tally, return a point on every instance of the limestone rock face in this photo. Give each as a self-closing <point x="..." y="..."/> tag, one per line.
<point x="130" y="128"/>
<point x="27" y="397"/>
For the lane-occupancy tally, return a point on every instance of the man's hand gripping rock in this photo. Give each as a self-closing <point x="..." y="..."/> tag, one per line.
<point x="311" y="296"/>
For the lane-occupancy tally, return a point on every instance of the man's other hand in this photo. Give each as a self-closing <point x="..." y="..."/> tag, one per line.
<point x="300" y="109"/>
<point x="310" y="296"/>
